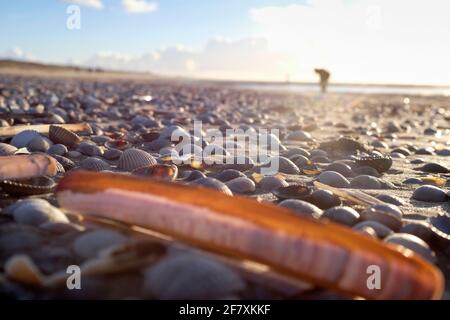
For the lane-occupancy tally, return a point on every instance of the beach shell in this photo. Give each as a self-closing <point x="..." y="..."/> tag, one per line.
<point x="429" y="193"/>
<point x="89" y="149"/>
<point x="271" y="183"/>
<point x="440" y="225"/>
<point x="366" y="170"/>
<point x="63" y="136"/>
<point x="413" y="243"/>
<point x="340" y="168"/>
<point x="296" y="151"/>
<point x="212" y="184"/>
<point x="381" y="230"/>
<point x="281" y="164"/>
<point x="39" y="144"/>
<point x="19" y="238"/>
<point x="89" y="244"/>
<point x="301" y="161"/>
<point x="28" y="187"/>
<point x="333" y="179"/>
<point x="325" y="254"/>
<point x="241" y="185"/>
<point x="189" y="276"/>
<point x="158" y="171"/>
<point x="191" y="175"/>
<point x="366" y="182"/>
<point x="57" y="149"/>
<point x="65" y="162"/>
<point x="229" y="174"/>
<point x="94" y="164"/>
<point x="7" y="149"/>
<point x="302" y="208"/>
<point x="421" y="229"/>
<point x="134" y="158"/>
<point x="23" y="138"/>
<point x="294" y="191"/>
<point x="299" y="136"/>
<point x="391" y="199"/>
<point x="36" y="212"/>
<point x="380" y="163"/>
<point x="434" y="168"/>
<point x="118" y="144"/>
<point x="112" y="154"/>
<point x="343" y="215"/>
<point x="324" y="199"/>
<point x="387" y="214"/>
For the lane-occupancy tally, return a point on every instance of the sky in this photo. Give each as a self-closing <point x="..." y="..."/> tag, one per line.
<point x="359" y="41"/>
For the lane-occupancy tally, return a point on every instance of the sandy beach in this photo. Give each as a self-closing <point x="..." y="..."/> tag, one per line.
<point x="393" y="147"/>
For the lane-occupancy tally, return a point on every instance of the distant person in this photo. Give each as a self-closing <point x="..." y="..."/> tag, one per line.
<point x="324" y="76"/>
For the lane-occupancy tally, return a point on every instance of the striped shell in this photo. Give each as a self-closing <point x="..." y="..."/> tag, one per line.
<point x="65" y="162"/>
<point x="134" y="158"/>
<point x="63" y="136"/>
<point x="28" y="187"/>
<point x="94" y="164"/>
<point x="326" y="254"/>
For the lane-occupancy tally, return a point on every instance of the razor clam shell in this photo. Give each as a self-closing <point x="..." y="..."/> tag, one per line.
<point x="331" y="256"/>
<point x="133" y="158"/>
<point x="27" y="166"/>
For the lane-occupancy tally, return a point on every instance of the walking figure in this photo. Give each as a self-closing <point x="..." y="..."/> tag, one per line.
<point x="324" y="76"/>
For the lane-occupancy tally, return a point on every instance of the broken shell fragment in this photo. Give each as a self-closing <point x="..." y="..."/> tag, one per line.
<point x="325" y="254"/>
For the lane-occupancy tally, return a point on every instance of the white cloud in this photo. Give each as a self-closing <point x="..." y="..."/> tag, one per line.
<point x="139" y="6"/>
<point x="15" y="53"/>
<point x="244" y="59"/>
<point x="97" y="4"/>
<point x="371" y="40"/>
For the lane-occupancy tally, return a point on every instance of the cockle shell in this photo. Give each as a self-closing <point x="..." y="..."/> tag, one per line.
<point x="326" y="254"/>
<point x="134" y="158"/>
<point x="94" y="164"/>
<point x="28" y="187"/>
<point x="63" y="136"/>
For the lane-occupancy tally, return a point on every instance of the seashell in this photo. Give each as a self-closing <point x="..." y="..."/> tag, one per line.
<point x="301" y="161"/>
<point x="280" y="164"/>
<point x="320" y="159"/>
<point x="412" y="181"/>
<point x="191" y="175"/>
<point x="158" y="171"/>
<point x="324" y="199"/>
<point x="440" y="225"/>
<point x="89" y="149"/>
<point x="7" y="149"/>
<point x="65" y="162"/>
<point x="296" y="151"/>
<point x="366" y="170"/>
<point x="240" y="163"/>
<point x="190" y="276"/>
<point x="425" y="151"/>
<point x="26" y="166"/>
<point x="318" y="153"/>
<point x="387" y="214"/>
<point x="89" y="244"/>
<point x="134" y="158"/>
<point x="413" y="243"/>
<point x="212" y="184"/>
<point x="299" y="136"/>
<point x="39" y="144"/>
<point x="381" y="230"/>
<point x="261" y="232"/>
<point x="19" y="238"/>
<point x="241" y="185"/>
<point x="421" y="229"/>
<point x="294" y="191"/>
<point x="150" y="135"/>
<point x="118" y="144"/>
<point x="333" y="179"/>
<point x="343" y="215"/>
<point x="94" y="164"/>
<point x="381" y="164"/>
<point x="36" y="212"/>
<point x="28" y="187"/>
<point x="429" y="193"/>
<point x="340" y="168"/>
<point x="23" y="138"/>
<point x="302" y="208"/>
<point x="434" y="168"/>
<point x="391" y="199"/>
<point x="271" y="183"/>
<point x="366" y="182"/>
<point x="57" y="149"/>
<point x="112" y="154"/>
<point x="343" y="146"/>
<point x="61" y="135"/>
<point x="229" y="174"/>
<point x="435" y="181"/>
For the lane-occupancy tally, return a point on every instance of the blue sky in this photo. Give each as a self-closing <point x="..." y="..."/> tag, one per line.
<point x="397" y="41"/>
